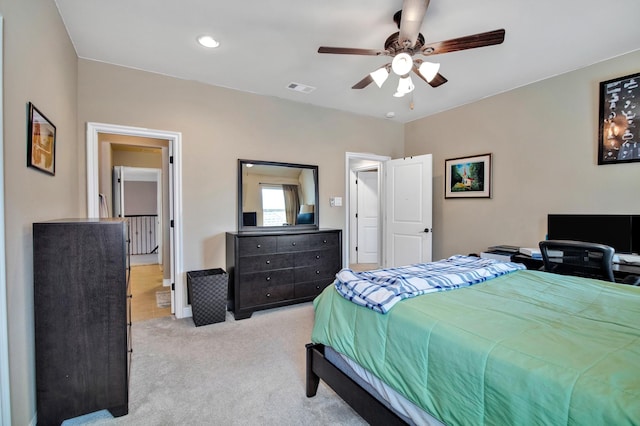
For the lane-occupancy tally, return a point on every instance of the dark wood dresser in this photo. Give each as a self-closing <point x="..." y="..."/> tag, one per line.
<point x="271" y="269"/>
<point x="82" y="317"/>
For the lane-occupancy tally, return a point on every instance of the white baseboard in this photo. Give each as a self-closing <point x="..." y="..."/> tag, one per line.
<point x="186" y="312"/>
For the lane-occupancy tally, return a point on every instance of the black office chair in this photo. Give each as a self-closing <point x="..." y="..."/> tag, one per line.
<point x="578" y="258"/>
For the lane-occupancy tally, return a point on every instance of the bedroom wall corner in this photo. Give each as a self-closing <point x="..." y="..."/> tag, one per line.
<point x="543" y="138"/>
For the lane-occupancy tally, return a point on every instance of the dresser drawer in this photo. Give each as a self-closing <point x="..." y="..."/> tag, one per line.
<point x="328" y="240"/>
<point x="300" y="242"/>
<point x="255" y="280"/>
<point x="265" y="262"/>
<point x="329" y="258"/>
<point x="311" y="289"/>
<point x="250" y="246"/>
<point x="313" y="273"/>
<point x="292" y="243"/>
<point x="266" y="295"/>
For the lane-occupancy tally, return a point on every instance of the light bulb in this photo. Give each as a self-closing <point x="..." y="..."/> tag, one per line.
<point x="208" y="41"/>
<point x="429" y="70"/>
<point x="405" y="85"/>
<point x="380" y="76"/>
<point x="402" y="64"/>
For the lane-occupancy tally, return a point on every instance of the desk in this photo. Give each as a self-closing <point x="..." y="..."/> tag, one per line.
<point x="620" y="271"/>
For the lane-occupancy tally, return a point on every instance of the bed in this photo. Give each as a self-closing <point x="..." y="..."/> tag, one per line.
<point x="524" y="347"/>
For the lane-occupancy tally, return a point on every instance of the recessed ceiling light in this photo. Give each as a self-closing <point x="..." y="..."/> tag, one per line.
<point x="208" y="41"/>
<point x="390" y="114"/>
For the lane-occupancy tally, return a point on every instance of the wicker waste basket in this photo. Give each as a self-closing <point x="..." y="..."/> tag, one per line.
<point x="208" y="295"/>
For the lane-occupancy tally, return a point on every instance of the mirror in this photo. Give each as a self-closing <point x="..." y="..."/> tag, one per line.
<point x="276" y="196"/>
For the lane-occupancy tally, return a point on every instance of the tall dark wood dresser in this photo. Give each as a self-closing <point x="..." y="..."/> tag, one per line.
<point x="277" y="268"/>
<point x="82" y="317"/>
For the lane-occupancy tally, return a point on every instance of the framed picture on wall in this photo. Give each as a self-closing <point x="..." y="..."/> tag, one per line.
<point x="468" y="177"/>
<point x="41" y="142"/>
<point x="619" y="132"/>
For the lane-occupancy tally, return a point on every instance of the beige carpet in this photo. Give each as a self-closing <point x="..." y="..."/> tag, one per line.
<point x="248" y="372"/>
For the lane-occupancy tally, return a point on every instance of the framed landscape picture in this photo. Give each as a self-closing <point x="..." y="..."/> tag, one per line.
<point x="468" y="177"/>
<point x="619" y="133"/>
<point x="41" y="142"/>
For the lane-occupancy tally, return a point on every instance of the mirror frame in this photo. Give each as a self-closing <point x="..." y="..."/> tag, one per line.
<point x="292" y="228"/>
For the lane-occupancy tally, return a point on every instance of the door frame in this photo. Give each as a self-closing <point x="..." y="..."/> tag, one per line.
<point x="148" y="174"/>
<point x="349" y="170"/>
<point x="182" y="310"/>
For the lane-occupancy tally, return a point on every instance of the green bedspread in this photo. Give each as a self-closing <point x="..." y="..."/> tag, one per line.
<point x="527" y="348"/>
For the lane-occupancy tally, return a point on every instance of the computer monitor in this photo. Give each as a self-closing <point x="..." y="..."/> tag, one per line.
<point x="612" y="230"/>
<point x="635" y="234"/>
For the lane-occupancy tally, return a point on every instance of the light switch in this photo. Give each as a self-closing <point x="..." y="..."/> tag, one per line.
<point x="337" y="201"/>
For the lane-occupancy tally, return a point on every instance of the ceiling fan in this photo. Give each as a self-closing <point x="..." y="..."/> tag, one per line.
<point x="406" y="43"/>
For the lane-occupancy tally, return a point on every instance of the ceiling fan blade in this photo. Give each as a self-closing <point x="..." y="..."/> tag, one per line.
<point x="413" y="12"/>
<point x="462" y="43"/>
<point x="438" y="80"/>
<point x="363" y="83"/>
<point x="352" y="51"/>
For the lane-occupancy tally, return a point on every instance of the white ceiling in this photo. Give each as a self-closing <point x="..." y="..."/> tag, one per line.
<point x="266" y="45"/>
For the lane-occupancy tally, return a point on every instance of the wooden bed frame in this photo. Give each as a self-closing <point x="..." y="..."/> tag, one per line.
<point x="371" y="410"/>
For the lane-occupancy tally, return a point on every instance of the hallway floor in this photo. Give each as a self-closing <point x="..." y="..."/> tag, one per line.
<point x="149" y="295"/>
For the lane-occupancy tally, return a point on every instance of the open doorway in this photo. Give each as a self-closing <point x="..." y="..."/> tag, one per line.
<point x="363" y="231"/>
<point x="402" y="229"/>
<point x="138" y="194"/>
<point x="112" y="145"/>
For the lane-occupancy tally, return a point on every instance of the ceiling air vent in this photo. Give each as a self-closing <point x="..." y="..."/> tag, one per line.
<point x="300" y="87"/>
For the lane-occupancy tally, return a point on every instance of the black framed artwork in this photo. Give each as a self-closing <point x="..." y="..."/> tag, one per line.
<point x="619" y="130"/>
<point x="41" y="141"/>
<point x="468" y="177"/>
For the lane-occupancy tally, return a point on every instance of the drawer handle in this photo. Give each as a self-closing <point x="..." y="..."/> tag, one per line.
<point x="268" y="294"/>
<point x="268" y="262"/>
<point x="268" y="278"/>
<point x="317" y="272"/>
<point x="317" y="256"/>
<point x="324" y="241"/>
<point x="317" y="287"/>
<point x="293" y="243"/>
<point x="258" y="246"/>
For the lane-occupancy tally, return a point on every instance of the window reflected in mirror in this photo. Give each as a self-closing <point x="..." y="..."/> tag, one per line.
<point x="277" y="194"/>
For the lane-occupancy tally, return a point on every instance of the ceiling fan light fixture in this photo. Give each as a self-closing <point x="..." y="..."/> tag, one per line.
<point x="405" y="85"/>
<point x="208" y="41"/>
<point x="380" y="76"/>
<point x="402" y="63"/>
<point x="429" y="70"/>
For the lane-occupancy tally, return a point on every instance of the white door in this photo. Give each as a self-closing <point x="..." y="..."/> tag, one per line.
<point x="408" y="212"/>
<point x="367" y="248"/>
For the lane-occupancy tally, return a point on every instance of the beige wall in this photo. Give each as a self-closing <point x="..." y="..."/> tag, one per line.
<point x="543" y="138"/>
<point x="219" y="126"/>
<point x="40" y="65"/>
